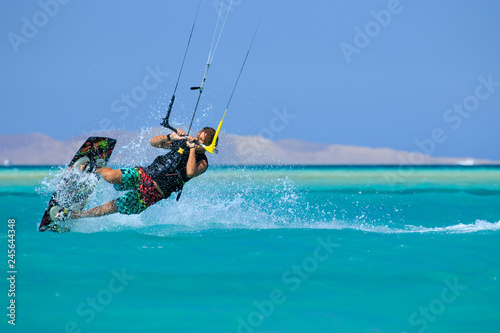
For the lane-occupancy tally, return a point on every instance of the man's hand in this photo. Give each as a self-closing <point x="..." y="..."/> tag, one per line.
<point x="181" y="133"/>
<point x="178" y="136"/>
<point x="190" y="142"/>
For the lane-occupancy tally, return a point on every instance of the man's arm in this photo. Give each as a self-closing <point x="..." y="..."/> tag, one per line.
<point x="165" y="141"/>
<point x="161" y="141"/>
<point x="194" y="169"/>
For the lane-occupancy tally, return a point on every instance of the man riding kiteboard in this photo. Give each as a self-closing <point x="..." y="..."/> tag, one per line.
<point x="147" y="185"/>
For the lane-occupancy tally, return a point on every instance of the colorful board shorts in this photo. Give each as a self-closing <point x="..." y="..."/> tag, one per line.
<point x="142" y="191"/>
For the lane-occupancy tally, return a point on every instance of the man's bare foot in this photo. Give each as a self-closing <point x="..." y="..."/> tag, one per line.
<point x="85" y="164"/>
<point x="58" y="213"/>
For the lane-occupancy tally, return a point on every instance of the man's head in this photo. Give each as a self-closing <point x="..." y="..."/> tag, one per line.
<point x="206" y="136"/>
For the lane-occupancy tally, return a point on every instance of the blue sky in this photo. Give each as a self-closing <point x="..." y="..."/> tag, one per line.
<point x="411" y="75"/>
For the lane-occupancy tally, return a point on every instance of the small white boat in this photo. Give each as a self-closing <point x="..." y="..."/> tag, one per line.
<point x="467" y="162"/>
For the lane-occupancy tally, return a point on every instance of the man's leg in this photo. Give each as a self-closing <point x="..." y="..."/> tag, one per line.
<point x="129" y="203"/>
<point x="106" y="209"/>
<point x="113" y="176"/>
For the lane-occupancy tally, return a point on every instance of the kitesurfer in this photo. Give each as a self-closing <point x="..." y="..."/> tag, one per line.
<point x="146" y="186"/>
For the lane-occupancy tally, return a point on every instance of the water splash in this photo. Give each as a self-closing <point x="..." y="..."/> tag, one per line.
<point x="254" y="199"/>
<point x="255" y="205"/>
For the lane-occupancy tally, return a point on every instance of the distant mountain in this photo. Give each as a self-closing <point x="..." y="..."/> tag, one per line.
<point x="32" y="149"/>
<point x="133" y="149"/>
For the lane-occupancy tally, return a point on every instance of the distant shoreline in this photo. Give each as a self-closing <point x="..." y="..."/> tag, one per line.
<point x="296" y="166"/>
<point x="41" y="149"/>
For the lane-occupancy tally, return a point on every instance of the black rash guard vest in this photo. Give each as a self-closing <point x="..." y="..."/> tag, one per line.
<point x="169" y="170"/>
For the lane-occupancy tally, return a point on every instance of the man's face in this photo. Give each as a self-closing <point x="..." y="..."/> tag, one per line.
<point x="201" y="139"/>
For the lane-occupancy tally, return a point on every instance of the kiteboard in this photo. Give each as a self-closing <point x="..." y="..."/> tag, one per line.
<point x="77" y="183"/>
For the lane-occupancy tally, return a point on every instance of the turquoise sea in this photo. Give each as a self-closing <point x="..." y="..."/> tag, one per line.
<point x="263" y="249"/>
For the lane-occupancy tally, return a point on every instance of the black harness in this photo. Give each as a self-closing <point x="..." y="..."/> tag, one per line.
<point x="169" y="170"/>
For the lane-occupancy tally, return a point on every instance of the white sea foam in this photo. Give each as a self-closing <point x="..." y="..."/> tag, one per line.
<point x="477" y="226"/>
